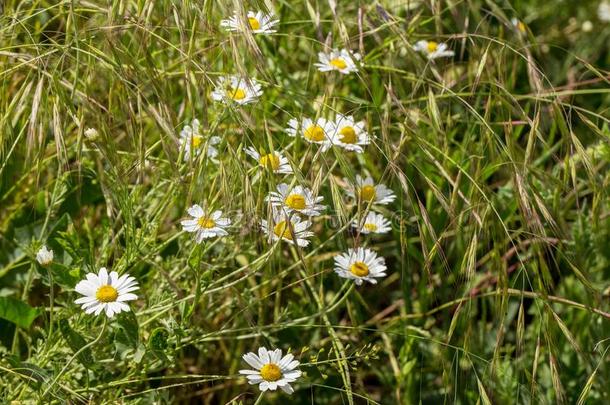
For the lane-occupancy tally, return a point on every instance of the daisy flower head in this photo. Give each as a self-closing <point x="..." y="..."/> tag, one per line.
<point x="603" y="11"/>
<point x="319" y="131"/>
<point x="288" y="228"/>
<point x="257" y="23"/>
<point x="433" y="49"/>
<point x="205" y="225"/>
<point x="297" y="199"/>
<point x="372" y="223"/>
<point x="236" y="89"/>
<point x="519" y="25"/>
<point x="271" y="370"/>
<point x="360" y="265"/>
<point x="349" y="134"/>
<point x="193" y="141"/>
<point x="106" y="292"/>
<point x="367" y="191"/>
<point x="342" y="60"/>
<point x="274" y="161"/>
<point x="44" y="256"/>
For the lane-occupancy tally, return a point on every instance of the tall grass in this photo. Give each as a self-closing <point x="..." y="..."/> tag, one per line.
<point x="499" y="254"/>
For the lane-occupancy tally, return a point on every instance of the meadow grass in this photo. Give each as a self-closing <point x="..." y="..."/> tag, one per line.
<point x="497" y="287"/>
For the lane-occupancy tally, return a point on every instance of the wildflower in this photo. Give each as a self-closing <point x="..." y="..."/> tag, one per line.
<point x="271" y="370"/>
<point x="372" y="223"/>
<point x="367" y="191"/>
<point x="258" y="23"/>
<point x="273" y="161"/>
<point x="291" y="229"/>
<point x="236" y="89"/>
<point x="519" y="25"/>
<point x="91" y="134"/>
<point x="298" y="199"/>
<point x="350" y="135"/>
<point x="342" y="60"/>
<point x="360" y="265"/>
<point x="107" y="292"/>
<point x="205" y="225"/>
<point x="603" y="11"/>
<point x="44" y="256"/>
<point x="433" y="49"/>
<point x="193" y="141"/>
<point x="319" y="131"/>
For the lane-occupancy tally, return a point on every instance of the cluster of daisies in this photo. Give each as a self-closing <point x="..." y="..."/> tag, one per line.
<point x="293" y="206"/>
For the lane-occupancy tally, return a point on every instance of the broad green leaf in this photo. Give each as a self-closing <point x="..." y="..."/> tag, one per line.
<point x="17" y="312"/>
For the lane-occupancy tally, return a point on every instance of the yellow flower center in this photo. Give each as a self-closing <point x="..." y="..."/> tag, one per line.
<point x="205" y="222"/>
<point x="359" y="269"/>
<point x="348" y="135"/>
<point x="370" y="227"/>
<point x="432" y="46"/>
<point x="236" y="94"/>
<point x="368" y="193"/>
<point x="521" y="26"/>
<point x="196" y="141"/>
<point x="338" y="63"/>
<point x="282" y="230"/>
<point x="271" y="372"/>
<point x="106" y="293"/>
<point x="315" y="133"/>
<point x="254" y="24"/>
<point x="295" y="201"/>
<point x="271" y="161"/>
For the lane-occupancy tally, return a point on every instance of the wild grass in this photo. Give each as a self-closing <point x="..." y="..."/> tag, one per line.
<point x="499" y="254"/>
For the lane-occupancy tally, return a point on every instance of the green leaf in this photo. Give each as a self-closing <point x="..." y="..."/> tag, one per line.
<point x="129" y="334"/>
<point x="17" y="312"/>
<point x="76" y="342"/>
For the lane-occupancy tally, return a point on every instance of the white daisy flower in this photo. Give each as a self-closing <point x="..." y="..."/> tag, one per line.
<point x="193" y="141"/>
<point x="274" y="161"/>
<point x="106" y="292"/>
<point x="236" y="89"/>
<point x="319" y="131"/>
<point x="360" y="265"/>
<point x="271" y="370"/>
<point x="433" y="49"/>
<point x="367" y="191"/>
<point x="298" y="199"/>
<point x="91" y="134"/>
<point x="372" y="223"/>
<point x="603" y="11"/>
<point x="284" y="227"/>
<point x="44" y="256"/>
<point x="205" y="225"/>
<point x="519" y="25"/>
<point x="342" y="60"/>
<point x="258" y="23"/>
<point x="349" y="134"/>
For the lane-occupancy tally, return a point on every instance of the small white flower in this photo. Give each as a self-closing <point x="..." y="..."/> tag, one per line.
<point x="271" y="370"/>
<point x="433" y="49"/>
<point x="319" y="131"/>
<point x="91" y="134"/>
<point x="367" y="191"/>
<point x="284" y="227"/>
<point x="349" y="134"/>
<point x="342" y="60"/>
<point x="372" y="223"/>
<point x="274" y="161"/>
<point x="360" y="265"/>
<point x="44" y="256"/>
<point x="205" y="225"/>
<point x="519" y="25"/>
<point x="587" y="26"/>
<point x="258" y="23"/>
<point x="193" y="141"/>
<point x="236" y="89"/>
<point x="603" y="11"/>
<point x="107" y="292"/>
<point x="298" y="199"/>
